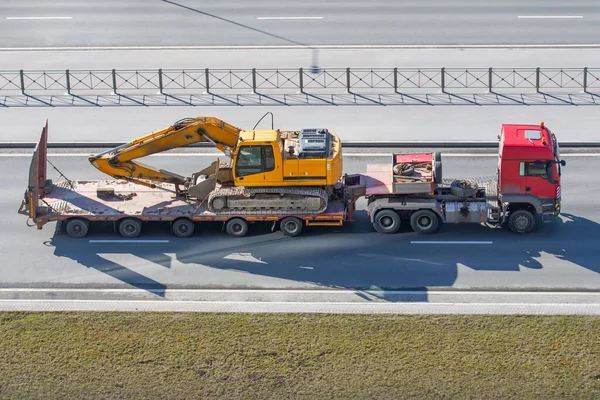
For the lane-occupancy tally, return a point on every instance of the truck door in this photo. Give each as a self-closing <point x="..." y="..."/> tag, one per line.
<point x="538" y="179"/>
<point x="255" y="165"/>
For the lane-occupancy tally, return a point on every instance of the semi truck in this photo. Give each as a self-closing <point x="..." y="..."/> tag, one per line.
<point x="293" y="179"/>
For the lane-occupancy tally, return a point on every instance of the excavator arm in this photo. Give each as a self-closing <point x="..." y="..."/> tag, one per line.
<point x="118" y="162"/>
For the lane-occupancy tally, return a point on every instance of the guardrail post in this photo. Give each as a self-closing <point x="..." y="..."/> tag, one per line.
<point x="301" y="80"/>
<point x="395" y="79"/>
<point x="68" y="82"/>
<point x="490" y="80"/>
<point x="537" y="79"/>
<point x="160" y="81"/>
<point x="585" y="79"/>
<point x="348" y="79"/>
<point x="443" y="80"/>
<point x="21" y="75"/>
<point x="206" y="80"/>
<point x="253" y="80"/>
<point x="114" y="81"/>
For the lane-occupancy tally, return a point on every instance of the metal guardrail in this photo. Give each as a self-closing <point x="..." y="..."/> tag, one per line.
<point x="331" y="80"/>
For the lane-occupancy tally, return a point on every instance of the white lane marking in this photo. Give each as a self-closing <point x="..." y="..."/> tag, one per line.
<point x="509" y="293"/>
<point x="128" y="241"/>
<point x="449" y="242"/>
<point x="290" y="47"/>
<point x="36" y="18"/>
<point x="287" y="18"/>
<point x="347" y="155"/>
<point x="550" y="17"/>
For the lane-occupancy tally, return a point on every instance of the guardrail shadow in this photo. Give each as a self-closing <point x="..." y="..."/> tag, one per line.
<point x="350" y="257"/>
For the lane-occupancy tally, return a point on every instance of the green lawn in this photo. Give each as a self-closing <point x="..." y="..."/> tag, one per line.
<point x="190" y="356"/>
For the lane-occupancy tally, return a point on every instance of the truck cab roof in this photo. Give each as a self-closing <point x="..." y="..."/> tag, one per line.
<point x="518" y="141"/>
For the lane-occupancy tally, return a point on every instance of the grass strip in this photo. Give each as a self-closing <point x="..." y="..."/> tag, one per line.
<point x="278" y="356"/>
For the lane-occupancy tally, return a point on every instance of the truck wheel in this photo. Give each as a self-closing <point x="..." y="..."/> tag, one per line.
<point x="291" y="226"/>
<point x="130" y="228"/>
<point x="387" y="221"/>
<point x="424" y="221"/>
<point x="521" y="221"/>
<point x="77" y="227"/>
<point x="183" y="228"/>
<point x="236" y="227"/>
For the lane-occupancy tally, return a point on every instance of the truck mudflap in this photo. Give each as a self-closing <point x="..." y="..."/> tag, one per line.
<point x="37" y="184"/>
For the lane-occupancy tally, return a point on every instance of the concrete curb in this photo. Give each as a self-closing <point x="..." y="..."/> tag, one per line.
<point x="347" y="144"/>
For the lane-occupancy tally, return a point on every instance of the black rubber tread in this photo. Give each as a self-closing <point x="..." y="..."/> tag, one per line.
<point x="414" y="221"/>
<point x="77" y="227"/>
<point x="383" y="217"/>
<point x="231" y="225"/>
<point x="519" y="215"/>
<point x="127" y="223"/>
<point x="291" y="226"/>
<point x="438" y="172"/>
<point x="183" y="227"/>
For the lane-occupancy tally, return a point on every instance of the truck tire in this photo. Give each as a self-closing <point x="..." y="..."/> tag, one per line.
<point x="521" y="221"/>
<point x="183" y="227"/>
<point x="387" y="221"/>
<point x="463" y="189"/>
<point x="291" y="226"/>
<point x="77" y="227"/>
<point x="424" y="221"/>
<point x="236" y="227"/>
<point x="130" y="228"/>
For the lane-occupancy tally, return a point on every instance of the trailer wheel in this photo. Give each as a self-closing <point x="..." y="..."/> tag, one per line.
<point x="291" y="226"/>
<point x="130" y="228"/>
<point x="424" y="221"/>
<point x="387" y="221"/>
<point x="236" y="227"/>
<point x="77" y="227"/>
<point x="183" y="227"/>
<point x="521" y="221"/>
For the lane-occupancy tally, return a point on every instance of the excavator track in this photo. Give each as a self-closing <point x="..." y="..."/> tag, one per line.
<point x="267" y="200"/>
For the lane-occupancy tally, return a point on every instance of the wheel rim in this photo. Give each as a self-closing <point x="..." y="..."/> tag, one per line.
<point x="424" y="222"/>
<point x="386" y="222"/>
<point x="129" y="228"/>
<point x="291" y="226"/>
<point x="183" y="228"/>
<point x="237" y="227"/>
<point x="77" y="228"/>
<point x="522" y="222"/>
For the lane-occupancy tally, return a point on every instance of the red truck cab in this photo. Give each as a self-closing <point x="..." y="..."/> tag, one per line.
<point x="529" y="170"/>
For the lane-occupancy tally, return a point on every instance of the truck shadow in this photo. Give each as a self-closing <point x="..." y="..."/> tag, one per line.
<point x="350" y="257"/>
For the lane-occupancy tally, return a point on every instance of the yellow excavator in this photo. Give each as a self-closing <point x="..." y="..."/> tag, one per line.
<point x="271" y="171"/>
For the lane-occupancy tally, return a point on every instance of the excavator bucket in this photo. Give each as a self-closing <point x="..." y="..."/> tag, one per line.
<point x="205" y="181"/>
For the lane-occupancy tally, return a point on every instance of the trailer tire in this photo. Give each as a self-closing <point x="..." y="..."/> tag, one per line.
<point x="183" y="227"/>
<point x="77" y="227"/>
<point x="291" y="226"/>
<point x="521" y="221"/>
<point x="237" y="227"/>
<point x="130" y="228"/>
<point x="387" y="221"/>
<point x="424" y="221"/>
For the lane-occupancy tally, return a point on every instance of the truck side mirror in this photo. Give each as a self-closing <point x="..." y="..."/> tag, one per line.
<point x="563" y="163"/>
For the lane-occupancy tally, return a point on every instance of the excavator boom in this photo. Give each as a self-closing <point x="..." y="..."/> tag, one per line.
<point x="118" y="162"/>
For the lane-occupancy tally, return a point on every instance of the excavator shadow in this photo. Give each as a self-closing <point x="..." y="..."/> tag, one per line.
<point x="560" y="254"/>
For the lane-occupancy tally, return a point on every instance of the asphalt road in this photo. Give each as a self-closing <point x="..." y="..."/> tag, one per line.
<point x="558" y="256"/>
<point x="400" y="123"/>
<point x="187" y="22"/>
